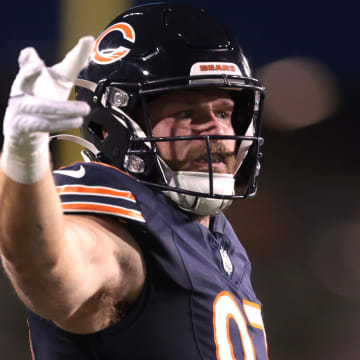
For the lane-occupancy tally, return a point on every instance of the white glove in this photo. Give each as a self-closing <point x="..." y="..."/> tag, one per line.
<point x="38" y="106"/>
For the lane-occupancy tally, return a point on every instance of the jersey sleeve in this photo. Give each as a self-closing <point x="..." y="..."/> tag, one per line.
<point x="98" y="189"/>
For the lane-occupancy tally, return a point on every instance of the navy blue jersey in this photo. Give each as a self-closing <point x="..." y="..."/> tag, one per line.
<point x="197" y="302"/>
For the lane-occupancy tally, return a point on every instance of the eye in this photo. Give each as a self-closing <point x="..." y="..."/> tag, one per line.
<point x="186" y="114"/>
<point x="223" y="115"/>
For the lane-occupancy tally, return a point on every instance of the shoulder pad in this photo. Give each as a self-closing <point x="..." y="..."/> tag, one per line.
<point x="97" y="188"/>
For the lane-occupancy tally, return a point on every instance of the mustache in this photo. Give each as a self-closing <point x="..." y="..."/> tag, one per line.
<point x="217" y="150"/>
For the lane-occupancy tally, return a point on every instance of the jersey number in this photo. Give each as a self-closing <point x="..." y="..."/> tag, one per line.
<point x="225" y="308"/>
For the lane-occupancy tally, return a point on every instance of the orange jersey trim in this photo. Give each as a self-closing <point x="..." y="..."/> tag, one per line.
<point x="104" y="209"/>
<point x="95" y="190"/>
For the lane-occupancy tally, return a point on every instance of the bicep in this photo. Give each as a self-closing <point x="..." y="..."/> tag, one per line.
<point x="98" y="256"/>
<point x="113" y="272"/>
<point x="108" y="257"/>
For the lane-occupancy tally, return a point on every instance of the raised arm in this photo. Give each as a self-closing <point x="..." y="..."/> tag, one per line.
<point x="59" y="265"/>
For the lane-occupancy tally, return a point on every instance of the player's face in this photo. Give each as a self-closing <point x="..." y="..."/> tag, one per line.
<point x="191" y="113"/>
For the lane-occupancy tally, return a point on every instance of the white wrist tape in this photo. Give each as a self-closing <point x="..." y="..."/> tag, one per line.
<point x="26" y="162"/>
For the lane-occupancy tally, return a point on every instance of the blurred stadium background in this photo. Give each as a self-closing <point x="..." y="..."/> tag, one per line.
<point x="302" y="230"/>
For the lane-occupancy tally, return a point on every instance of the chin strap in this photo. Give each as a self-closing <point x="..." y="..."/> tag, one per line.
<point x="223" y="184"/>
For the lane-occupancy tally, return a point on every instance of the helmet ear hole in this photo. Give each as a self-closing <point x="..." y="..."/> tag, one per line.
<point x="96" y="129"/>
<point x="104" y="131"/>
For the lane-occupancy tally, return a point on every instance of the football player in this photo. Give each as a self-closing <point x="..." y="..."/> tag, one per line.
<point x="128" y="255"/>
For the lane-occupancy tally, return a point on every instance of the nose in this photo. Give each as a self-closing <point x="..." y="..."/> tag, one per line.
<point x="209" y="124"/>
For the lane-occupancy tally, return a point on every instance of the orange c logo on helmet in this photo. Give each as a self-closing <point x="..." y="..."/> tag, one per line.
<point x="108" y="56"/>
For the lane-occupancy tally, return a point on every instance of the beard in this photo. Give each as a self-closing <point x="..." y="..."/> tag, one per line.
<point x="198" y="157"/>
